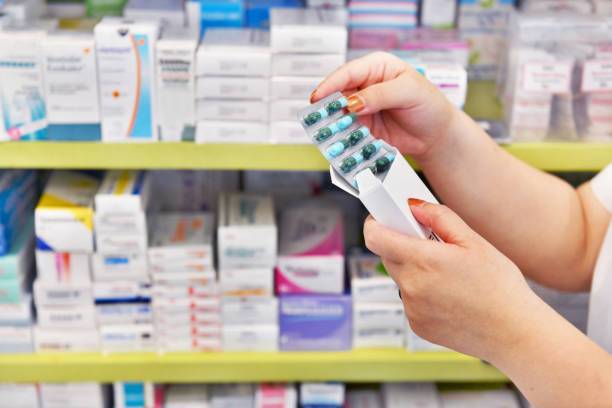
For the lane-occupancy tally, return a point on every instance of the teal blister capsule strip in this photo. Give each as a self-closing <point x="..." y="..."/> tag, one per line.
<point x="354" y="138"/>
<point x="341" y="124"/>
<point x="327" y="110"/>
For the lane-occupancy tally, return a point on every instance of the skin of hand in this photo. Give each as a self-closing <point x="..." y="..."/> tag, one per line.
<point x="461" y="293"/>
<point x="379" y="84"/>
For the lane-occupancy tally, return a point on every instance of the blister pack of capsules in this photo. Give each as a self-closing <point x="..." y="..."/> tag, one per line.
<point x="349" y="146"/>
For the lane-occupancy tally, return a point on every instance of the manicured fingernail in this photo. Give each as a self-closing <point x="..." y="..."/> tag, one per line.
<point x="415" y="202"/>
<point x="355" y="103"/>
<point x="312" y="95"/>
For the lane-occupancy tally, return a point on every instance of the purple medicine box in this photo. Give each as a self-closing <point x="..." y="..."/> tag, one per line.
<point x="315" y="322"/>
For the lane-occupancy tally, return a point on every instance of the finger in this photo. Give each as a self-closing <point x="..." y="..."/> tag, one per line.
<point x="396" y="247"/>
<point x="358" y="73"/>
<point x="442" y="221"/>
<point x="397" y="93"/>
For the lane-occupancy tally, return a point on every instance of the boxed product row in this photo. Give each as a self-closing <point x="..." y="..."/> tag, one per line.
<point x="304" y="395"/>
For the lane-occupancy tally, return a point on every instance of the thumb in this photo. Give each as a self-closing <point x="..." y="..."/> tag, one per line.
<point x="391" y="94"/>
<point x="442" y="221"/>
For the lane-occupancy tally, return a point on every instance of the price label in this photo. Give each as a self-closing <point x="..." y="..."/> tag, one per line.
<point x="597" y="76"/>
<point x="547" y="77"/>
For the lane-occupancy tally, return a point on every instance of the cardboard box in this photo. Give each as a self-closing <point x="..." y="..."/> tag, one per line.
<point x="121" y="292"/>
<point x="67" y="317"/>
<point x="180" y="237"/>
<point x="231" y="132"/>
<point x="325" y="394"/>
<point x="370" y="282"/>
<point x="232" y="88"/>
<point x="68" y="294"/>
<point x="63" y="340"/>
<point x="287" y="132"/>
<point x="16" y="339"/>
<point x="60" y="267"/>
<point x="124" y="313"/>
<point x="249" y="310"/>
<point x="399" y="395"/>
<point x="247" y="281"/>
<point x="241" y="110"/>
<point x="276" y="395"/>
<point x="127" y="338"/>
<point x="378" y="315"/>
<point x="250" y="337"/>
<point x="378" y="338"/>
<point x="111" y="267"/>
<point x="313" y="65"/>
<point x="296" y="88"/>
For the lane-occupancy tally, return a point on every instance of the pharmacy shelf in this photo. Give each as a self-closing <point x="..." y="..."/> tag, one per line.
<point x="354" y="366"/>
<point x="81" y="155"/>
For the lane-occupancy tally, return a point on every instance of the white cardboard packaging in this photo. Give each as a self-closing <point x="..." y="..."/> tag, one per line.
<point x="73" y="395"/>
<point x="234" y="52"/>
<point x="232" y="395"/>
<point x="175" y="64"/>
<point x="124" y="314"/>
<point x="247" y="235"/>
<point x="438" y="14"/>
<point x="126" y="70"/>
<point x="249" y="310"/>
<point x="66" y="294"/>
<point x="288" y="132"/>
<point x="126" y="338"/>
<point x="60" y="267"/>
<point x="16" y="314"/>
<point x="378" y="338"/>
<point x="450" y="79"/>
<point x="67" y="317"/>
<point x="16" y="339"/>
<point x="401" y="395"/>
<point x="71" y="84"/>
<point x="332" y="394"/>
<point x="286" y="109"/>
<point x="21" y="85"/>
<point x="179" y="237"/>
<point x="219" y="109"/>
<point x="295" y="88"/>
<point x="123" y="192"/>
<point x="218" y="87"/>
<point x="247" y="281"/>
<point x="210" y="131"/>
<point x="250" y="337"/>
<point x="306" y="64"/>
<point x="368" y="283"/>
<point x="114" y="243"/>
<point x="121" y="291"/>
<point x="108" y="267"/>
<point x="503" y="398"/>
<point x="364" y="398"/>
<point x="170" y="13"/>
<point x="62" y="340"/>
<point x="19" y="395"/>
<point x="308" y="30"/>
<point x="378" y="315"/>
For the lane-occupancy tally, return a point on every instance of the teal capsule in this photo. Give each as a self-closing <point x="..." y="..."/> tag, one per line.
<point x="371" y="149"/>
<point x="323" y="134"/>
<point x="336" y="105"/>
<point x="382" y="164"/>
<point x="351" y="162"/>
<point x="356" y="136"/>
<point x="312" y="118"/>
<point x="341" y="124"/>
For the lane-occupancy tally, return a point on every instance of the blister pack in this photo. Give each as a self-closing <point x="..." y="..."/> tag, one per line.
<point x="348" y="146"/>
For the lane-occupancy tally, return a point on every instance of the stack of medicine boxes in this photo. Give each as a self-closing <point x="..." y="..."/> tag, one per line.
<point x="232" y="86"/>
<point x="378" y="313"/>
<point x="17" y="193"/>
<point x="64" y="244"/>
<point x="185" y="290"/>
<point x="122" y="286"/>
<point x="247" y="248"/>
<point x="306" y="44"/>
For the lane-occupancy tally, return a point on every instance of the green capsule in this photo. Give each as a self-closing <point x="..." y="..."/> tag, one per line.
<point x="348" y="164"/>
<point x="323" y="134"/>
<point x="371" y="149"/>
<point x="358" y="135"/>
<point x="333" y="107"/>
<point x="312" y="118"/>
<point x="382" y="164"/>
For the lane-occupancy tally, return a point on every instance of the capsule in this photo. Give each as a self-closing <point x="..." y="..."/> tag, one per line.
<point x="356" y="136"/>
<point x="326" y="111"/>
<point x="336" y="105"/>
<point x="382" y="164"/>
<point x="351" y="162"/>
<point x="371" y="149"/>
<point x="341" y="124"/>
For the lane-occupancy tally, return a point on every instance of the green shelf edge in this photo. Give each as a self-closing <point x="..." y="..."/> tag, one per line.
<point x="353" y="366"/>
<point x="549" y="156"/>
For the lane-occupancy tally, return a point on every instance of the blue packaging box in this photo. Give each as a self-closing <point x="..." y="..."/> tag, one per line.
<point x="258" y="11"/>
<point x="222" y="13"/>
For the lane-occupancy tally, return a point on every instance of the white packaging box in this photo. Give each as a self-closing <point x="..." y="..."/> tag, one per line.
<point x="176" y="84"/>
<point x="109" y="267"/>
<point x="250" y="337"/>
<point x="123" y="192"/>
<point x="60" y="267"/>
<point x="219" y="87"/>
<point x="201" y="344"/>
<point x="67" y="317"/>
<point x="112" y="243"/>
<point x="167" y="291"/>
<point x="71" y="85"/>
<point x="198" y="268"/>
<point x="247" y="282"/>
<point x="378" y="315"/>
<point x="311" y="252"/>
<point x="332" y="394"/>
<point x="364" y="398"/>
<point x="16" y="314"/>
<point x="199" y="278"/>
<point x="288" y="132"/>
<point x="23" y="11"/>
<point x="401" y="395"/>
<point x="186" y="317"/>
<point x="127" y="338"/>
<point x="126" y="71"/>
<point x="16" y="339"/>
<point x="124" y="314"/>
<point x="450" y="79"/>
<point x="64" y="214"/>
<point x="66" y="294"/>
<point x="378" y="338"/>
<point x="247" y="235"/>
<point x="296" y="88"/>
<point x="21" y="85"/>
<point x="179" y="237"/>
<point x="286" y="109"/>
<point x="192" y="331"/>
<point x="219" y="109"/>
<point x="73" y="395"/>
<point x="62" y="340"/>
<point x="369" y="284"/>
<point x="439" y="14"/>
<point x="306" y="64"/>
<point x="480" y="399"/>
<point x="231" y="132"/>
<point x="308" y="30"/>
<point x="187" y="396"/>
<point x="199" y="307"/>
<point x="19" y="395"/>
<point x="234" y="52"/>
<point x="121" y="291"/>
<point x="249" y="310"/>
<point x="232" y="396"/>
<point x="170" y="13"/>
<point x="276" y="395"/>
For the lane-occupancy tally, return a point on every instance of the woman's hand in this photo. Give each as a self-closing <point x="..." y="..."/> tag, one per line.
<point x="461" y="293"/>
<point x="397" y="103"/>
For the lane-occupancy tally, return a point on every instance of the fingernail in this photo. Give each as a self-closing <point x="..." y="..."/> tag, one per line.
<point x="355" y="103"/>
<point x="415" y="202"/>
<point x="312" y="95"/>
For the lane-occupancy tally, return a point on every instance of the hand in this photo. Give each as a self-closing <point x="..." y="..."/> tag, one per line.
<point x="461" y="293"/>
<point x="397" y="103"/>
